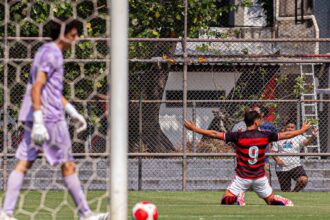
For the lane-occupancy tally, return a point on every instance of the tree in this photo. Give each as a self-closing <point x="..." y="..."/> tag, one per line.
<point x="162" y="19"/>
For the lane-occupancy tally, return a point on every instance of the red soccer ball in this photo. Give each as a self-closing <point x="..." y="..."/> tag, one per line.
<point x="144" y="210"/>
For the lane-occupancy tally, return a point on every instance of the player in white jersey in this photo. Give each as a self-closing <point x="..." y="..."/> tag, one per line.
<point x="290" y="167"/>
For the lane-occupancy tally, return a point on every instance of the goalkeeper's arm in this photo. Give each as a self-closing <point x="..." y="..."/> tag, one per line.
<point x="39" y="132"/>
<point x="71" y="110"/>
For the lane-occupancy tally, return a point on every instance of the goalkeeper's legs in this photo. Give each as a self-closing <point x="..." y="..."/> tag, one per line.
<point x="73" y="185"/>
<point x="14" y="185"/>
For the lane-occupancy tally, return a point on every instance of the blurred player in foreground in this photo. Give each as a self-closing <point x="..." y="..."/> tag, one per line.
<point x="46" y="130"/>
<point x="250" y="155"/>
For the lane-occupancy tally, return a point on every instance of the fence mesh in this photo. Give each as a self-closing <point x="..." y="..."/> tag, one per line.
<point x="231" y="55"/>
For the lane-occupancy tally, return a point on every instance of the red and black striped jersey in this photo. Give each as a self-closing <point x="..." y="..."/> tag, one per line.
<point x="250" y="151"/>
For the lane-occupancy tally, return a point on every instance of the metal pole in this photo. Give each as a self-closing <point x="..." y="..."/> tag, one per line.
<point x="140" y="144"/>
<point x="119" y="109"/>
<point x="296" y="11"/>
<point x="108" y="115"/>
<point x="298" y="115"/>
<point x="194" y="133"/>
<point x="6" y="97"/>
<point x="302" y="11"/>
<point x="185" y="70"/>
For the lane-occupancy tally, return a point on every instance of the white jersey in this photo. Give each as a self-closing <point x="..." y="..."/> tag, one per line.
<point x="292" y="145"/>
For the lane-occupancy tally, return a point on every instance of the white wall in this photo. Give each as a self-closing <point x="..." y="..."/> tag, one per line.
<point x="171" y="117"/>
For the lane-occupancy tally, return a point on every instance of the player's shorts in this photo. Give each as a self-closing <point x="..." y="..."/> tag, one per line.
<point x="261" y="186"/>
<point x="57" y="150"/>
<point x="284" y="177"/>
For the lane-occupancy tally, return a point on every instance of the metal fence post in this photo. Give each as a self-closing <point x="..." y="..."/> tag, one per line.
<point x="6" y="98"/>
<point x="140" y="145"/>
<point x="185" y="70"/>
<point x="194" y="134"/>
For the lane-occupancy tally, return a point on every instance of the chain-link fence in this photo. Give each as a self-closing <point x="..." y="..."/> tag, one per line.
<point x="205" y="61"/>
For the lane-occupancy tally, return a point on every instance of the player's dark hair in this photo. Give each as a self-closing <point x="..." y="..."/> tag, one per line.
<point x="74" y="24"/>
<point x="290" y="121"/>
<point x="264" y="111"/>
<point x="250" y="117"/>
<point x="55" y="28"/>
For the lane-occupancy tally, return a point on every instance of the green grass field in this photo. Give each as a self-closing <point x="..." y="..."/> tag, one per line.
<point x="181" y="206"/>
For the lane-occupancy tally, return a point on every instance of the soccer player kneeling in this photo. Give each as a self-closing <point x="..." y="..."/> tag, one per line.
<point x="250" y="155"/>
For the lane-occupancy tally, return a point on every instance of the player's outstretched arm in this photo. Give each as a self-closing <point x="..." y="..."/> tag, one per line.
<point x="309" y="140"/>
<point x="190" y="125"/>
<point x="71" y="110"/>
<point x="291" y="134"/>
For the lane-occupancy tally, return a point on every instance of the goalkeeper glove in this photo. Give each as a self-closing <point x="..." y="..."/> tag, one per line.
<point x="82" y="125"/>
<point x="39" y="132"/>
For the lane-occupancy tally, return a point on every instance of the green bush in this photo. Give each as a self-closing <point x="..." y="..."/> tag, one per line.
<point x="29" y="29"/>
<point x="40" y="11"/>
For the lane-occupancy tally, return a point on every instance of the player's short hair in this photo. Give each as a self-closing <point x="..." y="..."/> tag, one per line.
<point x="55" y="29"/>
<point x="264" y="111"/>
<point x="250" y="117"/>
<point x="291" y="121"/>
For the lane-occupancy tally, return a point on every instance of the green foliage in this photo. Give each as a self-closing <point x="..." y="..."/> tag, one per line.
<point x="63" y="10"/>
<point x="16" y="94"/>
<point x="72" y="71"/>
<point x="102" y="7"/>
<point x="25" y="73"/>
<point x="18" y="11"/>
<point x="102" y="86"/>
<point x="298" y="87"/>
<point x="40" y="11"/>
<point x="18" y="50"/>
<point x="11" y="29"/>
<point x="94" y="69"/>
<point x="312" y="121"/>
<point x="85" y="9"/>
<point x="204" y="47"/>
<point x="84" y="49"/>
<point x="83" y="89"/>
<point x="97" y="27"/>
<point x="157" y="18"/>
<point x="29" y="29"/>
<point x="67" y="90"/>
<point x="282" y="78"/>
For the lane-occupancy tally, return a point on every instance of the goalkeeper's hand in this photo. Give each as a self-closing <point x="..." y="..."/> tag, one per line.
<point x="82" y="124"/>
<point x="39" y="132"/>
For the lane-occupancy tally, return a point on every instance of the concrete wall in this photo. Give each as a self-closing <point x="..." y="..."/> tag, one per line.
<point x="322" y="14"/>
<point x="166" y="175"/>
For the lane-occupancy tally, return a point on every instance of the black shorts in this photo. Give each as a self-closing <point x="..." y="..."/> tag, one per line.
<point x="284" y="177"/>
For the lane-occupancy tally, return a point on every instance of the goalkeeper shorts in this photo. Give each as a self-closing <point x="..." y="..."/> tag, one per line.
<point x="57" y="150"/>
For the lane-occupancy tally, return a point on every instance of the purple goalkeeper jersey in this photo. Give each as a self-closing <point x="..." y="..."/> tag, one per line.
<point x="48" y="59"/>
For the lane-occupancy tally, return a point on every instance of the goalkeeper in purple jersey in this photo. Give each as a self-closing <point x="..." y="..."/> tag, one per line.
<point x="43" y="114"/>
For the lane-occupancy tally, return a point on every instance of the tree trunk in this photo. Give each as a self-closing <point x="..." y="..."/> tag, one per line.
<point x="148" y="84"/>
